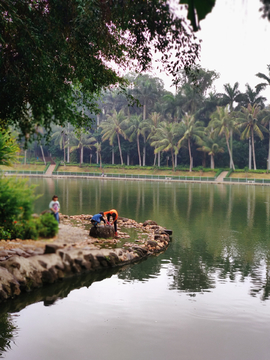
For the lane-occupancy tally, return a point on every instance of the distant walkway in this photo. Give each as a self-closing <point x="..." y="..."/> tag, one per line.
<point x="50" y="170"/>
<point x="221" y="176"/>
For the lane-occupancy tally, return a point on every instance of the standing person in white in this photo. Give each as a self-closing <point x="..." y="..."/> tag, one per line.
<point x="55" y="207"/>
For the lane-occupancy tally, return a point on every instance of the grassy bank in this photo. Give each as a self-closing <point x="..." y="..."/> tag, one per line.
<point x="134" y="170"/>
<point x="22" y="167"/>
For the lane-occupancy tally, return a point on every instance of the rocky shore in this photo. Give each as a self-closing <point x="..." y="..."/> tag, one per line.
<point x="27" y="264"/>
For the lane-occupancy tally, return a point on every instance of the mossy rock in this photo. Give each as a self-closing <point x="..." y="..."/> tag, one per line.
<point x="103" y="232"/>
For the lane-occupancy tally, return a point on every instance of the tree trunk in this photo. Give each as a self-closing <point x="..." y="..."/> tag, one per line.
<point x="155" y="158"/>
<point x="172" y="159"/>
<point x="100" y="165"/>
<point x="63" y="139"/>
<point x="139" y="152"/>
<point x="112" y="155"/>
<point x="120" y="150"/>
<point x="42" y="152"/>
<point x="25" y="154"/>
<point x="68" y="148"/>
<point x="231" y="147"/>
<point x="175" y="160"/>
<point x="268" y="161"/>
<point x="230" y="154"/>
<point x="159" y="159"/>
<point x="249" y="154"/>
<point x="253" y="150"/>
<point x="144" y="152"/>
<point x="212" y="161"/>
<point x="81" y="156"/>
<point x="127" y="159"/>
<point x="190" y="156"/>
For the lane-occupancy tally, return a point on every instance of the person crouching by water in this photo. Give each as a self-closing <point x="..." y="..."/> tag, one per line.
<point x="114" y="214"/>
<point x="55" y="207"/>
<point x="97" y="218"/>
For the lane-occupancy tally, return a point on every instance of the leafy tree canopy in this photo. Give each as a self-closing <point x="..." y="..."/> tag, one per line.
<point x="55" y="56"/>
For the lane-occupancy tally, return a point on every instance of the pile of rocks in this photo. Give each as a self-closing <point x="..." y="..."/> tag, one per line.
<point x="27" y="266"/>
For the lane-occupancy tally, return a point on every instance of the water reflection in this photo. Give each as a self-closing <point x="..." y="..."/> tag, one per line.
<point x="220" y="236"/>
<point x="219" y="231"/>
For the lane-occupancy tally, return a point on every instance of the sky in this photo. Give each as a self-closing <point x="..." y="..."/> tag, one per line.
<point x="235" y="43"/>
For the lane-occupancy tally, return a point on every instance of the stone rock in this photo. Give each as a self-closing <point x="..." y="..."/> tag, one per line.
<point x="149" y="222"/>
<point x="103" y="232"/>
<point x="9" y="286"/>
<point x="152" y="243"/>
<point x="51" y="248"/>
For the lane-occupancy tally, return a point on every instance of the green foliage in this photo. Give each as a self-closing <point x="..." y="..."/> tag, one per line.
<point x="57" y="54"/>
<point x="16" y="207"/>
<point x="8" y="148"/>
<point x="47" y="226"/>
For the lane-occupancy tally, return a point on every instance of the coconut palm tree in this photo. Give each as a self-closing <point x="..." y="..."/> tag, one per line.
<point x="248" y="120"/>
<point x="135" y="128"/>
<point x="211" y="146"/>
<point x="166" y="139"/>
<point x="252" y="97"/>
<point x="265" y="78"/>
<point x="152" y="124"/>
<point x="265" y="114"/>
<point x="93" y="141"/>
<point x="223" y="124"/>
<point x="80" y="140"/>
<point x="192" y="130"/>
<point x="231" y="95"/>
<point x="59" y="138"/>
<point x="114" y="127"/>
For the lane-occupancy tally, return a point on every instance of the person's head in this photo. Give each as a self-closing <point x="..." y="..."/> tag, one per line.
<point x="102" y="213"/>
<point x="54" y="198"/>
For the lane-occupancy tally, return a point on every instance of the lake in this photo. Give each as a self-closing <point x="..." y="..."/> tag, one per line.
<point x="205" y="298"/>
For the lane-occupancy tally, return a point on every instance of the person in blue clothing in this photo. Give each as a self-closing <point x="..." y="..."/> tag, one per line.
<point x="97" y="218"/>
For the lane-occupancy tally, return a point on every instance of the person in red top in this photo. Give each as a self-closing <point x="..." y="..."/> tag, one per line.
<point x="114" y="214"/>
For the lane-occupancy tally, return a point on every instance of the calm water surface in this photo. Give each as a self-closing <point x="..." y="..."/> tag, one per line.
<point x="206" y="297"/>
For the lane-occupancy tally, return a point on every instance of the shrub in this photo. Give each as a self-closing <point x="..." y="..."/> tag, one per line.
<point x="16" y="208"/>
<point x="16" y="204"/>
<point x="47" y="225"/>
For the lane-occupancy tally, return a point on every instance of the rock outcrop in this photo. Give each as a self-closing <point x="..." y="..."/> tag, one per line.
<point x="23" y="271"/>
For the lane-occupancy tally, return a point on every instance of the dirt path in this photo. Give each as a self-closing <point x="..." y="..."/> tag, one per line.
<point x="221" y="176"/>
<point x="50" y="169"/>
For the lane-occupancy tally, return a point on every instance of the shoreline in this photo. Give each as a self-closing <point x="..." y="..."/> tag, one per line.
<point x="215" y="182"/>
<point x="26" y="265"/>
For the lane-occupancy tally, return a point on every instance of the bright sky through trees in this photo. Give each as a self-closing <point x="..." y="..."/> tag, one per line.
<point x="235" y="43"/>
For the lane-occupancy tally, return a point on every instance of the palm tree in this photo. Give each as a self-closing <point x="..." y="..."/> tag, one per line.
<point x="265" y="113"/>
<point x="223" y="123"/>
<point x="113" y="127"/>
<point x="59" y="138"/>
<point x="97" y="145"/>
<point x="135" y="128"/>
<point x="265" y="78"/>
<point x="147" y="89"/>
<point x="152" y="125"/>
<point x="253" y="97"/>
<point x="248" y="119"/>
<point x="229" y="97"/>
<point x="166" y="139"/>
<point x="210" y="146"/>
<point x="80" y="140"/>
<point x="192" y="130"/>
